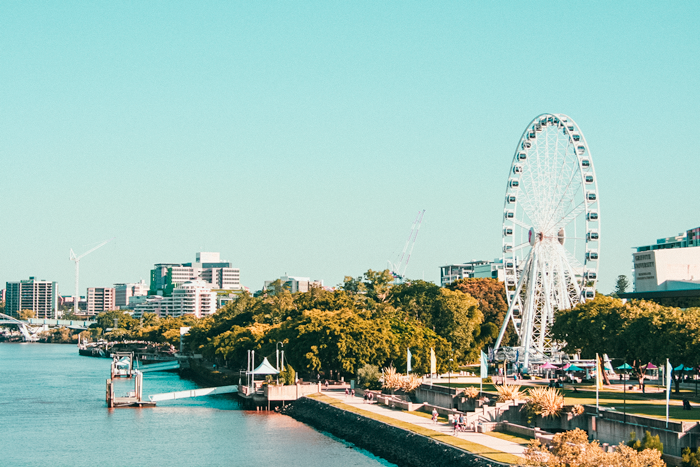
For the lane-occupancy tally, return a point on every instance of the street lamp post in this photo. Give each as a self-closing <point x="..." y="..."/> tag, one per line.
<point x="449" y="377"/>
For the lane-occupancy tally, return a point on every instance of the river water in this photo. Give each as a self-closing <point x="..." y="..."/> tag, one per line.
<point x="53" y="413"/>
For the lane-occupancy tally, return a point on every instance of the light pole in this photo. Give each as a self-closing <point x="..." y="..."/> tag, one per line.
<point x="277" y="353"/>
<point x="449" y="376"/>
<point x="624" y="367"/>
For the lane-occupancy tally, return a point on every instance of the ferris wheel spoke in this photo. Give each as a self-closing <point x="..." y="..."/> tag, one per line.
<point x="571" y="215"/>
<point x="521" y="224"/>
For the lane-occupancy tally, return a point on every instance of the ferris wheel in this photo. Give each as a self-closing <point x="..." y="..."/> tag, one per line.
<point x="551" y="232"/>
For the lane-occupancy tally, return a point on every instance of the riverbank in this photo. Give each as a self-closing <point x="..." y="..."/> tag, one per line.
<point x="406" y="444"/>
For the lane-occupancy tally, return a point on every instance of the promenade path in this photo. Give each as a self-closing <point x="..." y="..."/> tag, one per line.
<point x="492" y="443"/>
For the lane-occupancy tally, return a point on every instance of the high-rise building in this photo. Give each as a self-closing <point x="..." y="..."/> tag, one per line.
<point x="39" y="296"/>
<point x="100" y="299"/>
<point x="208" y="267"/>
<point x="191" y="298"/>
<point x="125" y="291"/>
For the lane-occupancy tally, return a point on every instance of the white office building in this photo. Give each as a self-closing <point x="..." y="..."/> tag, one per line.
<point x="191" y="298"/>
<point x="208" y="267"/>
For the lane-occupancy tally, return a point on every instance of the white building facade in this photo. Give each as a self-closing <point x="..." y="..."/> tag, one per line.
<point x="191" y="298"/>
<point x="208" y="267"/>
<point x="473" y="269"/>
<point x="37" y="295"/>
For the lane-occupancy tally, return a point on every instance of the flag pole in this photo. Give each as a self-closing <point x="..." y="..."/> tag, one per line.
<point x="668" y="387"/>
<point x="597" y="384"/>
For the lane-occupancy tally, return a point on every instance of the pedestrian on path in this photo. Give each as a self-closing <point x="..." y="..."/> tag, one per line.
<point x="435" y="415"/>
<point x="347" y="392"/>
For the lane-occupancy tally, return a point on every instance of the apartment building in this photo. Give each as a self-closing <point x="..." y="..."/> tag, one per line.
<point x="100" y="299"/>
<point x="208" y="267"/>
<point x="40" y="296"/>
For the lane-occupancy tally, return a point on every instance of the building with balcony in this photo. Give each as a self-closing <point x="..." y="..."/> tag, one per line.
<point x="208" y="267"/>
<point x="39" y="296"/>
<point x="191" y="298"/>
<point x="100" y="299"/>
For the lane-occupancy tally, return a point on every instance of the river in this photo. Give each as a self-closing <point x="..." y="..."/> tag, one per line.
<point x="53" y="413"/>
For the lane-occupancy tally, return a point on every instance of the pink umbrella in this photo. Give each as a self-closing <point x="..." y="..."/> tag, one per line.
<point x="566" y="366"/>
<point x="651" y="366"/>
<point x="549" y="366"/>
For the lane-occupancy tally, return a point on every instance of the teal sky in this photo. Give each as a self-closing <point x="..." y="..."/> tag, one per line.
<point x="303" y="137"/>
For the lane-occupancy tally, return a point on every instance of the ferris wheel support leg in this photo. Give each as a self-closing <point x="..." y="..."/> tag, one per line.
<point x="509" y="314"/>
<point x="530" y="310"/>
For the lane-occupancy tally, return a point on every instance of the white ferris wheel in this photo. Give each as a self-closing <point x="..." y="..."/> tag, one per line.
<point x="551" y="232"/>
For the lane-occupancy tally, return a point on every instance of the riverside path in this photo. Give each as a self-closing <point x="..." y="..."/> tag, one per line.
<point x="490" y="442"/>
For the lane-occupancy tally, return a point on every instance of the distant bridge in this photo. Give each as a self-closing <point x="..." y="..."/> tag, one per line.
<point x="22" y="325"/>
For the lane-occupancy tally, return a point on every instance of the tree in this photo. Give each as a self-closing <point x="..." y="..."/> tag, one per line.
<point x="26" y="314"/>
<point x="457" y="318"/>
<point x="491" y="295"/>
<point x="621" y="284"/>
<point x="288" y="375"/>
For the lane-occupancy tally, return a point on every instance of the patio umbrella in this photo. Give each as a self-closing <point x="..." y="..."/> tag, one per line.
<point x="566" y="366"/>
<point x="549" y="366"/>
<point x="574" y="368"/>
<point x="679" y="368"/>
<point x="687" y="369"/>
<point x="651" y="366"/>
<point x="626" y="367"/>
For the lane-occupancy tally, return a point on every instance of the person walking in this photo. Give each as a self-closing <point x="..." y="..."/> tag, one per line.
<point x="435" y="415"/>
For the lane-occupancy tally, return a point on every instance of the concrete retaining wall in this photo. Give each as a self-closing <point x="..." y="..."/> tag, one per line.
<point x="396" y="445"/>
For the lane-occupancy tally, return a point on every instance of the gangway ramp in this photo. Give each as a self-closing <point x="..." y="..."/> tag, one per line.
<point x="163" y="366"/>
<point x="193" y="393"/>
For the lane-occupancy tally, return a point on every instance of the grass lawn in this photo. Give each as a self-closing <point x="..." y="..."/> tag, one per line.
<point x="442" y="437"/>
<point x="651" y="404"/>
<point x="512" y="437"/>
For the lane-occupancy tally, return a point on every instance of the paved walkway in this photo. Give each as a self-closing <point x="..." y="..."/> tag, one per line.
<point x="491" y="442"/>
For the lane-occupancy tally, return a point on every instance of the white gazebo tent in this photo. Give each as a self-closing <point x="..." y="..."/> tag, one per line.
<point x="265" y="368"/>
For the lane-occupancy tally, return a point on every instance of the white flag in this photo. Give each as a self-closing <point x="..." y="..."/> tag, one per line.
<point x="433" y="362"/>
<point x="408" y="361"/>
<point x="669" y="377"/>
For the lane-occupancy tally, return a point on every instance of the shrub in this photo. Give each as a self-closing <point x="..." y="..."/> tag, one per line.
<point x="395" y="381"/>
<point x="368" y="377"/>
<point x="690" y="458"/>
<point x="573" y="449"/>
<point x="471" y="392"/>
<point x="509" y="392"/>
<point x="545" y="402"/>
<point x="288" y="375"/>
<point x="577" y="409"/>
<point x="648" y="442"/>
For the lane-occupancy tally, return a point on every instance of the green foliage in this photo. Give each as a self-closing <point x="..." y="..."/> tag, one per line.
<point x="621" y="284"/>
<point x="648" y="442"/>
<point x="25" y="314"/>
<point x="607" y="325"/>
<point x="368" y="377"/>
<point x="491" y="295"/>
<point x="288" y="375"/>
<point x="690" y="458"/>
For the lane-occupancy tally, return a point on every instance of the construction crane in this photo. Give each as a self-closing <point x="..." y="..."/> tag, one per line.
<point x="76" y="258"/>
<point x="398" y="269"/>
